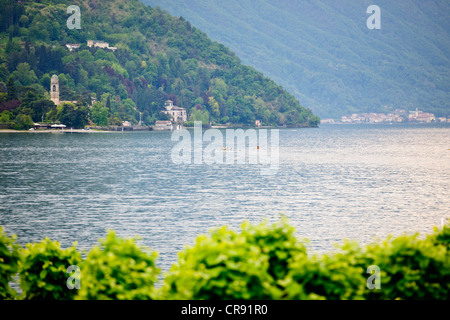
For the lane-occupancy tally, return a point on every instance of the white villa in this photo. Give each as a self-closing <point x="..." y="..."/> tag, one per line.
<point x="178" y="114"/>
<point x="73" y="46"/>
<point x="100" y="44"/>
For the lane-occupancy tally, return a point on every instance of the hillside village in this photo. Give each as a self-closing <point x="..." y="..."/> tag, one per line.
<point x="398" y="116"/>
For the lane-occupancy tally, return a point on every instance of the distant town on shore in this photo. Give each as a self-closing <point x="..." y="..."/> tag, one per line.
<point x="397" y="116"/>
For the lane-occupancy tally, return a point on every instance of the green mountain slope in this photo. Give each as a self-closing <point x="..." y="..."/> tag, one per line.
<point x="323" y="53"/>
<point x="158" y="57"/>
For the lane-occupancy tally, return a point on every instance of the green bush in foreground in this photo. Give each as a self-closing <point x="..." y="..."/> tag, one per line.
<point x="413" y="268"/>
<point x="410" y="268"/>
<point x="118" y="270"/>
<point x="229" y="265"/>
<point x="325" y="277"/>
<point x="260" y="262"/>
<point x="9" y="262"/>
<point x="43" y="271"/>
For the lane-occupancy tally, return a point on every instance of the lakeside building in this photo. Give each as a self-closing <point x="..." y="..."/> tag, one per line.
<point x="42" y="126"/>
<point x="420" y="116"/>
<point x="100" y="44"/>
<point x="162" y="125"/>
<point x="47" y="126"/>
<point x="178" y="114"/>
<point x="398" y="116"/>
<point x="372" y="118"/>
<point x="54" y="91"/>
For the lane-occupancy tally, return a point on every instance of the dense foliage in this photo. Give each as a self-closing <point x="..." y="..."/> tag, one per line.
<point x="9" y="263"/>
<point x="330" y="276"/>
<point x="412" y="268"/>
<point x="228" y="265"/>
<point x="118" y="270"/>
<point x="43" y="271"/>
<point x="158" y="57"/>
<point x="323" y="53"/>
<point x="259" y="262"/>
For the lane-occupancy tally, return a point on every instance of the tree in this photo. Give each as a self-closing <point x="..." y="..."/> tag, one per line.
<point x="72" y="115"/>
<point x="100" y="54"/>
<point x="99" y="114"/>
<point x="108" y="103"/>
<point x="12" y="45"/>
<point x="85" y="57"/>
<point x="199" y="115"/>
<point x="24" y="75"/>
<point x="45" y="81"/>
<point x="219" y="85"/>
<point x="214" y="106"/>
<point x="24" y="20"/>
<point x="5" y="116"/>
<point x="10" y="105"/>
<point x="12" y="92"/>
<point x="3" y="72"/>
<point x="292" y="117"/>
<point x="22" y="122"/>
<point x="43" y="106"/>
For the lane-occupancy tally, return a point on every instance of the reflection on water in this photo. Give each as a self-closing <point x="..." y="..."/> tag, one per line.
<point x="336" y="182"/>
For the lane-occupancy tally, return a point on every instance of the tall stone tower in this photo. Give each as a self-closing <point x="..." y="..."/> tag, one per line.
<point x="54" y="89"/>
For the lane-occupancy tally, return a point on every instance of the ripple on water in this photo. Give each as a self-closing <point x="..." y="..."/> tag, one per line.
<point x="334" y="183"/>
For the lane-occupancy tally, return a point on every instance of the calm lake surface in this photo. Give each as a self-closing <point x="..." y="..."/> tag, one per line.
<point x="336" y="182"/>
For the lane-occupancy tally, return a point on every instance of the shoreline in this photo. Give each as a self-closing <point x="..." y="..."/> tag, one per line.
<point x="120" y="131"/>
<point x="53" y="131"/>
<point x="58" y="131"/>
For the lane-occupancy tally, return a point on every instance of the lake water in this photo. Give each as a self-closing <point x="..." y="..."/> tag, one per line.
<point x="334" y="182"/>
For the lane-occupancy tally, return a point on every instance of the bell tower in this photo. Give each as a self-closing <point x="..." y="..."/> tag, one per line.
<point x="54" y="89"/>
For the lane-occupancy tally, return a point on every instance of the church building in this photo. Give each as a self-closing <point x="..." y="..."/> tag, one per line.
<point x="54" y="91"/>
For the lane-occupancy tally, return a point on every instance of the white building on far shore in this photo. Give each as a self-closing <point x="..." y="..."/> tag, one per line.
<point x="100" y="44"/>
<point x="178" y="114"/>
<point x="161" y="125"/>
<point x="73" y="46"/>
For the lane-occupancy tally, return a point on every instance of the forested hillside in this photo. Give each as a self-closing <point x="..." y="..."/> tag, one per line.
<point x="158" y="57"/>
<point x="323" y="53"/>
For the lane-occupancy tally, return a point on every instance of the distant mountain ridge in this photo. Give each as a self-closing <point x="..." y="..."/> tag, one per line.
<point x="323" y="53"/>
